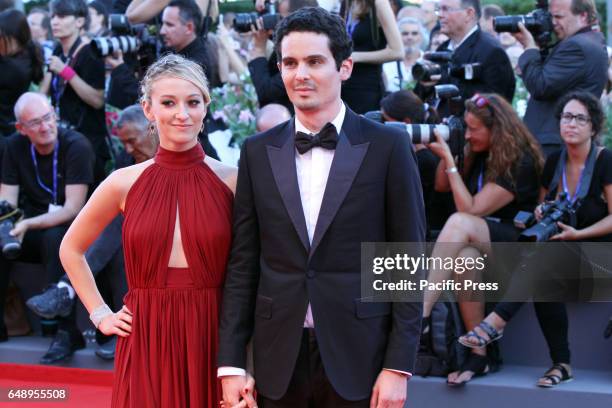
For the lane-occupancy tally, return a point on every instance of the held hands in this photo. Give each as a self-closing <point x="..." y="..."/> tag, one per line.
<point x="119" y="323"/>
<point x="238" y="391"/>
<point x="389" y="390"/>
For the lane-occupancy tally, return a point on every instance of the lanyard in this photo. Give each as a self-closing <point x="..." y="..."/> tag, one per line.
<point x="572" y="199"/>
<point x="58" y="86"/>
<point x="480" y="177"/>
<point x="40" y="183"/>
<point x="350" y="24"/>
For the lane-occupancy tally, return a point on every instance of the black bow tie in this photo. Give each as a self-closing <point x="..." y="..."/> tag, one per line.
<point x="327" y="138"/>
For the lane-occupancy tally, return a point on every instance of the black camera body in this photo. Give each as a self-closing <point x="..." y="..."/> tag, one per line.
<point x="137" y="39"/>
<point x="538" y="22"/>
<point x="560" y="210"/>
<point x="244" y="21"/>
<point x="435" y="63"/>
<point x="9" y="215"/>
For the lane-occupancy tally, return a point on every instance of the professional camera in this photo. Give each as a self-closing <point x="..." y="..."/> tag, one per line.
<point x="244" y="21"/>
<point x="538" y="22"/>
<point x="452" y="130"/>
<point x="138" y="39"/>
<point x="560" y="210"/>
<point x="435" y="63"/>
<point x="9" y="215"/>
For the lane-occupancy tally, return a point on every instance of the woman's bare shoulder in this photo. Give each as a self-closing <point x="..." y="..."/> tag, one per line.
<point x="122" y="180"/>
<point x="226" y="173"/>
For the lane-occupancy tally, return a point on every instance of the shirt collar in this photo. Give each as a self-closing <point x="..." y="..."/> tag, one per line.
<point x="453" y="47"/>
<point x="337" y="122"/>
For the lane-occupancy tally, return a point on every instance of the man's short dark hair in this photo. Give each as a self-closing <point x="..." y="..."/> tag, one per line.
<point x="475" y="4"/>
<point x="584" y="6"/>
<point x="189" y="11"/>
<point x="317" y="20"/>
<point x="295" y="5"/>
<point x="492" y="10"/>
<point x="77" y="8"/>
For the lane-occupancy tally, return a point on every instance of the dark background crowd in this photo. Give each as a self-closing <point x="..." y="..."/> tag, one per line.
<point x="70" y="115"/>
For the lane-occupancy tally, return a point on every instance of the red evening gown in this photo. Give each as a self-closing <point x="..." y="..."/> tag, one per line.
<point x="169" y="358"/>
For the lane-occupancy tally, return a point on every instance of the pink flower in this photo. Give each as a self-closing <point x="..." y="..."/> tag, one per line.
<point x="245" y="116"/>
<point x="219" y="115"/>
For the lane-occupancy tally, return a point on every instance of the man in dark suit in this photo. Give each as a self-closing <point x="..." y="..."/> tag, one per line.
<point x="579" y="62"/>
<point x="303" y="206"/>
<point x="471" y="45"/>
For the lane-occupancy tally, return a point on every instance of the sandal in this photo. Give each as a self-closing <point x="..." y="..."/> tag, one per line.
<point x="493" y="334"/>
<point x="475" y="363"/>
<point x="553" y="378"/>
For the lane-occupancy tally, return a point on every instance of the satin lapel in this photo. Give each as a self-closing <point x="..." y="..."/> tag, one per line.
<point x="347" y="161"/>
<point x="282" y="161"/>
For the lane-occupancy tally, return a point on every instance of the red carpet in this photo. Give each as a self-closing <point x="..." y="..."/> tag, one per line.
<point x="85" y="388"/>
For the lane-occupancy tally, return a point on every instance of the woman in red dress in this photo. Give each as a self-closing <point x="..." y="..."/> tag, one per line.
<point x="176" y="237"/>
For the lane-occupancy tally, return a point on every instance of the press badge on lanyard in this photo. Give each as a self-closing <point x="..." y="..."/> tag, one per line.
<point x="53" y="206"/>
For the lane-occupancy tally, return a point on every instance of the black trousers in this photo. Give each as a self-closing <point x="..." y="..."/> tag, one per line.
<point x="309" y="386"/>
<point x="40" y="246"/>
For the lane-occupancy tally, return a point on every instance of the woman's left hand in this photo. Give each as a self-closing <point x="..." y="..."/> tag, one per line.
<point x="567" y="233"/>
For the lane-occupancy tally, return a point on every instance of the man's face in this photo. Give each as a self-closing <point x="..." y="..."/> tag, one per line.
<point x="428" y="9"/>
<point x="309" y="71"/>
<point x="453" y="18"/>
<point x="175" y="33"/>
<point x="36" y="28"/>
<point x="65" y="26"/>
<point x="411" y="36"/>
<point x="37" y="122"/>
<point x="138" y="142"/>
<point x="565" y="23"/>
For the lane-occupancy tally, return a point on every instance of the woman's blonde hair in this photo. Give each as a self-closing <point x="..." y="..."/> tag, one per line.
<point x="175" y="66"/>
<point x="510" y="138"/>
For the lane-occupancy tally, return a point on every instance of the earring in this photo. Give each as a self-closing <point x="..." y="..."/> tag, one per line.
<point x="152" y="130"/>
<point x="202" y="127"/>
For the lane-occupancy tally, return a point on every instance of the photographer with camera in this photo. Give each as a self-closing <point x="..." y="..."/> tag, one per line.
<point x="500" y="177"/>
<point x="263" y="68"/>
<point x="566" y="172"/>
<point x="105" y="255"/>
<point x="481" y="63"/>
<point x="75" y="79"/>
<point x="51" y="168"/>
<point x="578" y="62"/>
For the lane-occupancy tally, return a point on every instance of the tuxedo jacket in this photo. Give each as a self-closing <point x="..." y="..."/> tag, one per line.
<point x="373" y="194"/>
<point x="495" y="76"/>
<point x="578" y="63"/>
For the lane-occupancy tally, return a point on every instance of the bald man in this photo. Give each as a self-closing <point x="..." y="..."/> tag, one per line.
<point x="51" y="168"/>
<point x="271" y="115"/>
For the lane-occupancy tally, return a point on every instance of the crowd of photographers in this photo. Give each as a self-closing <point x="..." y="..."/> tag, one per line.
<point x="445" y="71"/>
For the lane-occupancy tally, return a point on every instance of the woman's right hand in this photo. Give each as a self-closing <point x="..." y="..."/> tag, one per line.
<point x="440" y="148"/>
<point x="119" y="323"/>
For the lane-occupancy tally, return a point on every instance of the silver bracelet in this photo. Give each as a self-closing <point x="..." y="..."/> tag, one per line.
<point x="451" y="170"/>
<point x="100" y="313"/>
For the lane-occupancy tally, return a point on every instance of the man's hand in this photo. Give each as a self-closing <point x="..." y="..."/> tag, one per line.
<point x="237" y="387"/>
<point x="114" y="60"/>
<point x="389" y="390"/>
<point x="259" y="40"/>
<point x="55" y="64"/>
<point x="525" y="38"/>
<point x="20" y="229"/>
<point x="433" y="82"/>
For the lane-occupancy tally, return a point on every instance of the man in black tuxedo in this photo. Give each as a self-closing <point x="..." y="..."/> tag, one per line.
<point x="579" y="62"/>
<point x="470" y="45"/>
<point x="303" y="206"/>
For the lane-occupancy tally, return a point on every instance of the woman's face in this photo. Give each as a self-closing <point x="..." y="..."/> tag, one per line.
<point x="178" y="109"/>
<point x="95" y="20"/>
<point x="477" y="134"/>
<point x="576" y="126"/>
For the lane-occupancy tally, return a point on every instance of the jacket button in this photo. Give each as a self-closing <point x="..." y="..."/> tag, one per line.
<point x="310" y="274"/>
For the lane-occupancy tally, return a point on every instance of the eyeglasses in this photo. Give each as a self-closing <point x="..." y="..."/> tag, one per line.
<point x="581" y="120"/>
<point x="479" y="100"/>
<point x="446" y="10"/>
<point x="35" y="123"/>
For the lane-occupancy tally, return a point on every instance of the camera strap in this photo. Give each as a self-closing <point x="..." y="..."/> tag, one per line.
<point x="53" y="191"/>
<point x="584" y="181"/>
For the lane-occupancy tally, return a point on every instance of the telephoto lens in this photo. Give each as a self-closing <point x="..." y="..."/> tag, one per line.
<point x="10" y="245"/>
